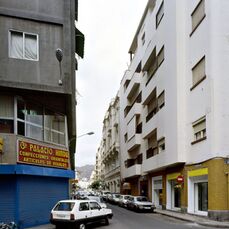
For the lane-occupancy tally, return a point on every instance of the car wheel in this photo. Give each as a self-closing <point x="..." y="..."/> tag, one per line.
<point x="107" y="221"/>
<point x="82" y="226"/>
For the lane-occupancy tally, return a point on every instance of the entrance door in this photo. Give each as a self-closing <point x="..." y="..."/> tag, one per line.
<point x="176" y="194"/>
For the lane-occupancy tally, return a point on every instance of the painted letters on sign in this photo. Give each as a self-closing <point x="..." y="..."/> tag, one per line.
<point x="29" y="153"/>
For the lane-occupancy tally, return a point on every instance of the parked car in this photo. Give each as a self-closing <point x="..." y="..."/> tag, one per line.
<point x="140" y="203"/>
<point x="123" y="199"/>
<point x="78" y="213"/>
<point x="99" y="199"/>
<point x="114" y="198"/>
<point x="105" y="194"/>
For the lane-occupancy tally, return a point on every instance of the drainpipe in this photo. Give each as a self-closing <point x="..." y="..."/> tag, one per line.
<point x="227" y="173"/>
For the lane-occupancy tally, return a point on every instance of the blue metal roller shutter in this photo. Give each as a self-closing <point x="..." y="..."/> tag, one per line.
<point x="37" y="196"/>
<point x="7" y="198"/>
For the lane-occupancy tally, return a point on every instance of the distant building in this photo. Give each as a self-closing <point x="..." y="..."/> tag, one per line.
<point x="37" y="106"/>
<point x="174" y="108"/>
<point x="110" y="156"/>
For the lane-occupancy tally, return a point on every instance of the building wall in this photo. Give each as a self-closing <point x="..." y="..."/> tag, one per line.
<point x="184" y="104"/>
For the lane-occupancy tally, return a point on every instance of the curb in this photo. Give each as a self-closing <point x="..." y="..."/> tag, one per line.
<point x="208" y="224"/>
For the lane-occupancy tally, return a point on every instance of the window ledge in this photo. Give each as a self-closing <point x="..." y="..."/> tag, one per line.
<point x="199" y="140"/>
<point x="197" y="83"/>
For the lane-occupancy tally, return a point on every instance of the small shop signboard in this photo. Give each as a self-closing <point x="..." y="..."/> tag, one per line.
<point x="35" y="154"/>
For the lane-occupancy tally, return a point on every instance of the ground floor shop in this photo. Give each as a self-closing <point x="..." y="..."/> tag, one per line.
<point x="28" y="193"/>
<point x="201" y="189"/>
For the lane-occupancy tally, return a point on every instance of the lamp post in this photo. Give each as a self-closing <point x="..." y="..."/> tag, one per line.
<point x="89" y="133"/>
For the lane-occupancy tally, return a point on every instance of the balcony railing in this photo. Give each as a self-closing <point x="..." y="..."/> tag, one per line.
<point x="151" y="152"/>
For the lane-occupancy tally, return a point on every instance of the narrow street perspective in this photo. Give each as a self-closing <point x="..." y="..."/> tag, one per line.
<point x="114" y="114"/>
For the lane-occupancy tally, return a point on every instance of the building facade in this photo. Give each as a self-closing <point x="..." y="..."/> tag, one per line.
<point x="110" y="155"/>
<point x="174" y="108"/>
<point x="37" y="106"/>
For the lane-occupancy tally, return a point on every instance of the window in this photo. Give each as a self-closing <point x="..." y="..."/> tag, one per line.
<point x="125" y="137"/>
<point x="94" y="206"/>
<point x="23" y="45"/>
<point x="84" y="206"/>
<point x="160" y="57"/>
<point x="161" y="100"/>
<point x="37" y="122"/>
<point x="199" y="129"/>
<point x="160" y="14"/>
<point x="143" y="39"/>
<point x="198" y="15"/>
<point x="6" y="114"/>
<point x="198" y="73"/>
<point x="64" y="206"/>
<point x="161" y="145"/>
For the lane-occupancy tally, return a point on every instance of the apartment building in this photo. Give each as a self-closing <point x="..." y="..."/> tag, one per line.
<point x="110" y="145"/>
<point x="174" y="108"/>
<point x="37" y="106"/>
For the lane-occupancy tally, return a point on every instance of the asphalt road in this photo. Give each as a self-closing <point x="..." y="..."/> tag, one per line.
<point x="125" y="219"/>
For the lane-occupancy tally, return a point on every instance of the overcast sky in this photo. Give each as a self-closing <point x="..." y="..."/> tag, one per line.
<point x="109" y="27"/>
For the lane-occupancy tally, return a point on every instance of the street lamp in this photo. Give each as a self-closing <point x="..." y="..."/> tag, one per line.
<point x="89" y="133"/>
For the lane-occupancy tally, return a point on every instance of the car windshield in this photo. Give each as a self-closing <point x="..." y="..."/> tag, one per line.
<point x="116" y="195"/>
<point x="142" y="199"/>
<point x="96" y="198"/>
<point x="126" y="197"/>
<point x="64" y="206"/>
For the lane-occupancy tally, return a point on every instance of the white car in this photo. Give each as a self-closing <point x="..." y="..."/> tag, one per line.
<point x="123" y="200"/>
<point x="79" y="213"/>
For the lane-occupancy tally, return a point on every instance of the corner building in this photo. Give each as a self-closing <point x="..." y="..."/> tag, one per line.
<point x="174" y="108"/>
<point x="37" y="106"/>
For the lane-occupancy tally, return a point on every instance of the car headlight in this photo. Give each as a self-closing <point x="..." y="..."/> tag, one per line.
<point x="140" y="206"/>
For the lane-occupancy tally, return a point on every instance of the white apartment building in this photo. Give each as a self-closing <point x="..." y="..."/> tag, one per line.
<point x="174" y="108"/>
<point x="111" y="156"/>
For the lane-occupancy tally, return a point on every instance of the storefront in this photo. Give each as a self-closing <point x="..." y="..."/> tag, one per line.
<point x="198" y="191"/>
<point x="173" y="194"/>
<point x="157" y="195"/>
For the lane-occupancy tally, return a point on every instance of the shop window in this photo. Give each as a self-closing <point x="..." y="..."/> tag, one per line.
<point x="201" y="196"/>
<point x="6" y="114"/>
<point x="23" y="45"/>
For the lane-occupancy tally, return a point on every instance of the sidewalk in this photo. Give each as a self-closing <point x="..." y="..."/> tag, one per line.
<point x="193" y="218"/>
<point x="45" y="226"/>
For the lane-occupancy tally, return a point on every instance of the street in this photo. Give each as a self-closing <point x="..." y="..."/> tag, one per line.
<point x="125" y="219"/>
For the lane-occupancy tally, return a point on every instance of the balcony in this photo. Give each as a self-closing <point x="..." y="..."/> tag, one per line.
<point x="134" y="110"/>
<point x="133" y="85"/>
<point x="134" y="142"/>
<point x="155" y="121"/>
<point x="151" y="152"/>
<point x="133" y="171"/>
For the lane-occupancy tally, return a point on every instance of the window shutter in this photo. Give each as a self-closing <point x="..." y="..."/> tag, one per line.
<point x="198" y="72"/>
<point x="198" y="14"/>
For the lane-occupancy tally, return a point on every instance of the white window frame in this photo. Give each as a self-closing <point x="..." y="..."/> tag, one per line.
<point x="23" y="39"/>
<point x="202" y="132"/>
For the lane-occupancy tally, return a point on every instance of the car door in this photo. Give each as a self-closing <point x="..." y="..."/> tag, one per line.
<point x="96" y="211"/>
<point x="84" y="212"/>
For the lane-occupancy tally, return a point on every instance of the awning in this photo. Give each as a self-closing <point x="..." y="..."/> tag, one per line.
<point x="126" y="185"/>
<point x="79" y="43"/>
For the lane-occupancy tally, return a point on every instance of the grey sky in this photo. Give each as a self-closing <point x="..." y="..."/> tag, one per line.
<point x="109" y="27"/>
